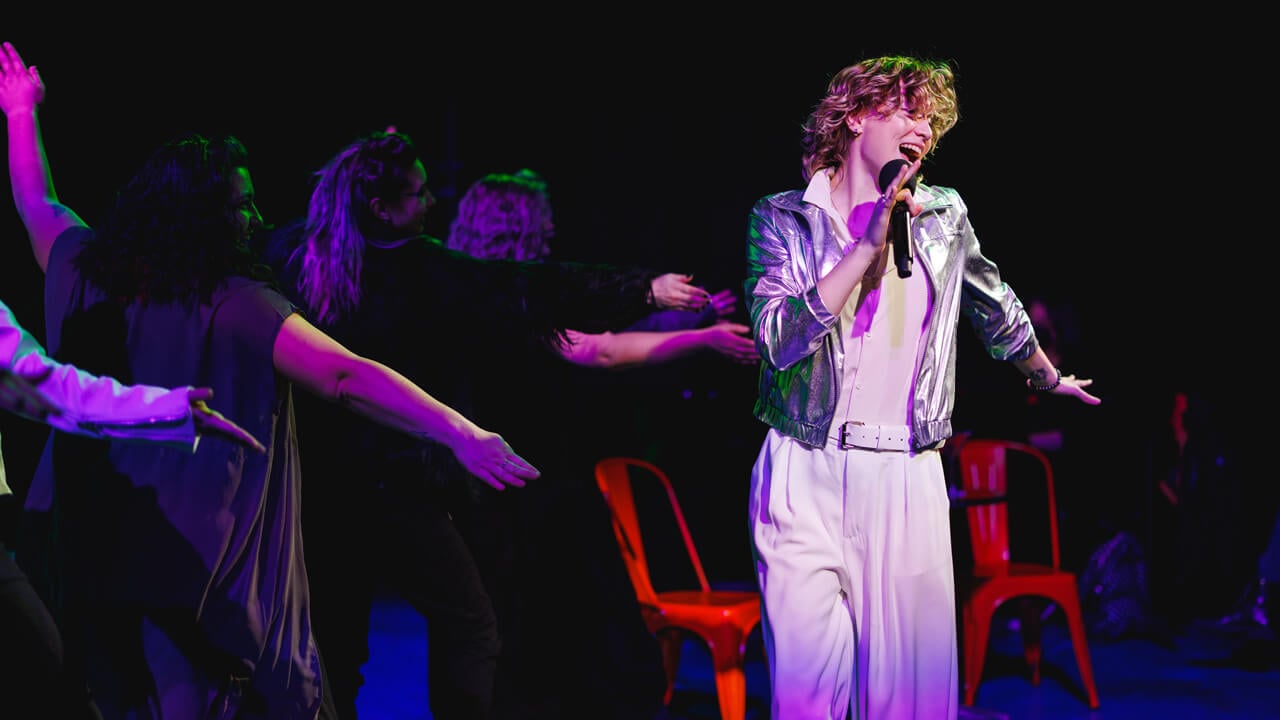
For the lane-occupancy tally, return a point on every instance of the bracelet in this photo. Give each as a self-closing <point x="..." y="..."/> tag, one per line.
<point x="1050" y="386"/>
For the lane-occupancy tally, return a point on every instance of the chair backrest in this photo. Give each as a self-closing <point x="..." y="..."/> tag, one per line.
<point x="614" y="477"/>
<point x="984" y="465"/>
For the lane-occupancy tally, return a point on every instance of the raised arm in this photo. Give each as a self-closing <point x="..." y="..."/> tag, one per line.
<point x="638" y="347"/>
<point x="45" y="217"/>
<point x="319" y="364"/>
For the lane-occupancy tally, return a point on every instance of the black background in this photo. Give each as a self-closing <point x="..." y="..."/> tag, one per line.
<point x="1097" y="155"/>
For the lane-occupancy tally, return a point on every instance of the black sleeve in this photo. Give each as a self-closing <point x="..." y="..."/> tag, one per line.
<point x="538" y="300"/>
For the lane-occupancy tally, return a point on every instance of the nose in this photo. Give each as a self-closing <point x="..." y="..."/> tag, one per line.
<point x="429" y="199"/>
<point x="924" y="128"/>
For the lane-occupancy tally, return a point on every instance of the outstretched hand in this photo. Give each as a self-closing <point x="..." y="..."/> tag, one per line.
<point x="675" y="291"/>
<point x="1075" y="387"/>
<point x="732" y="340"/>
<point x="490" y="458"/>
<point x="725" y="303"/>
<point x="21" y="88"/>
<point x="213" y="423"/>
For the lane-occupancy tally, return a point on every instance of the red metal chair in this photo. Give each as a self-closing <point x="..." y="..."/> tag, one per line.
<point x="984" y="465"/>
<point x="721" y="618"/>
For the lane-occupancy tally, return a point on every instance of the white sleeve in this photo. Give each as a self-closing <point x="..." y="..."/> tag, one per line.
<point x="96" y="406"/>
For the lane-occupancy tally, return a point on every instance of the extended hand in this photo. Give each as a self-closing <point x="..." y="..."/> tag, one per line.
<point x="211" y="422"/>
<point x="21" y="88"/>
<point x="490" y="458"/>
<point x="732" y="340"/>
<point x="1075" y="387"/>
<point x="673" y="291"/>
<point x="725" y="303"/>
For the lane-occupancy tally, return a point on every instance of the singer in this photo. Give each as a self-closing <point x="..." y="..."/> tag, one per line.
<point x="848" y="507"/>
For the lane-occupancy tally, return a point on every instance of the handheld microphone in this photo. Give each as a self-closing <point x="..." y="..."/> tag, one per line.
<point x="899" y="218"/>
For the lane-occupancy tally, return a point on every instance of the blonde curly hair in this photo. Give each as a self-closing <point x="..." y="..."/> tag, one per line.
<point x="877" y="85"/>
<point x="504" y="216"/>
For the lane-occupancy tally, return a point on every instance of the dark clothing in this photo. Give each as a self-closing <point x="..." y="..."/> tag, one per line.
<point x="32" y="680"/>
<point x="550" y="560"/>
<point x="177" y="578"/>
<point x="398" y="536"/>
<point x="457" y="326"/>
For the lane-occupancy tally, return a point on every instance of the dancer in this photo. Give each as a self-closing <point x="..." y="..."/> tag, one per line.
<point x="560" y="533"/>
<point x="178" y="579"/>
<point x="379" y="509"/>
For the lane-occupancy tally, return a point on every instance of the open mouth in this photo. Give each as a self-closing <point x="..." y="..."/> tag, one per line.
<point x="911" y="152"/>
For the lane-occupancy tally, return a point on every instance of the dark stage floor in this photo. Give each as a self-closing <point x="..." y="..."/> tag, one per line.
<point x="1191" y="674"/>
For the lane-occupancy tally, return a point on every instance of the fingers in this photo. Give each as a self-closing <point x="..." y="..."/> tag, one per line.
<point x="898" y="192"/>
<point x="694" y="297"/>
<point x="725" y="302"/>
<point x="1071" y="385"/>
<point x="510" y="470"/>
<point x="10" y="60"/>
<point x="212" y="422"/>
<point x="518" y="466"/>
<point x="490" y="480"/>
<point x="244" y="438"/>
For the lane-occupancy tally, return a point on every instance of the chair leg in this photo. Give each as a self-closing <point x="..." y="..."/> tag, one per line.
<point x="1075" y="622"/>
<point x="729" y="661"/>
<point x="731" y="690"/>
<point x="1031" y="636"/>
<point x="976" y="636"/>
<point x="670" y="642"/>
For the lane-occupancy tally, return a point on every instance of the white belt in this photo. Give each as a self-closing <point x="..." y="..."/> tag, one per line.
<point x="855" y="434"/>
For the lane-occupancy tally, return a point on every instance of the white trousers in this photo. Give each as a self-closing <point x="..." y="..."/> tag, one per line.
<point x="853" y="557"/>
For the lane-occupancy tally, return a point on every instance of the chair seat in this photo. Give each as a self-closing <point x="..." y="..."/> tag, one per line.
<point x="705" y="612"/>
<point x="990" y="592"/>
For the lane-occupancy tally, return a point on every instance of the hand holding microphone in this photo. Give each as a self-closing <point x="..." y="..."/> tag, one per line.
<point x="899" y="218"/>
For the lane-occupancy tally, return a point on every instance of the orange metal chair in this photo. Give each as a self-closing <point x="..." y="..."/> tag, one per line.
<point x="985" y="468"/>
<point x="721" y="618"/>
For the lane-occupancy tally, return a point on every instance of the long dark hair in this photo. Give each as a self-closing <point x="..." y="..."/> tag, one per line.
<point x="172" y="233"/>
<point x="340" y="221"/>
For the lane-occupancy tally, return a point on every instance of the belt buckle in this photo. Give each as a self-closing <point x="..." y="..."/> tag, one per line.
<point x="845" y="443"/>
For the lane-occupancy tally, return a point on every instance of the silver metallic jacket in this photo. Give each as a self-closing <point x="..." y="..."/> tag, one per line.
<point x="791" y="244"/>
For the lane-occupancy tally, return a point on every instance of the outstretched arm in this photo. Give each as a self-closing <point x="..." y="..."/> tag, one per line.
<point x="45" y="217"/>
<point x="319" y="364"/>
<point x="62" y="396"/>
<point x="632" y="348"/>
<point x="1042" y="375"/>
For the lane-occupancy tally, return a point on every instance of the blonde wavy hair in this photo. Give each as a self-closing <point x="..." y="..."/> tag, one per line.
<point x="504" y="216"/>
<point x="877" y="85"/>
